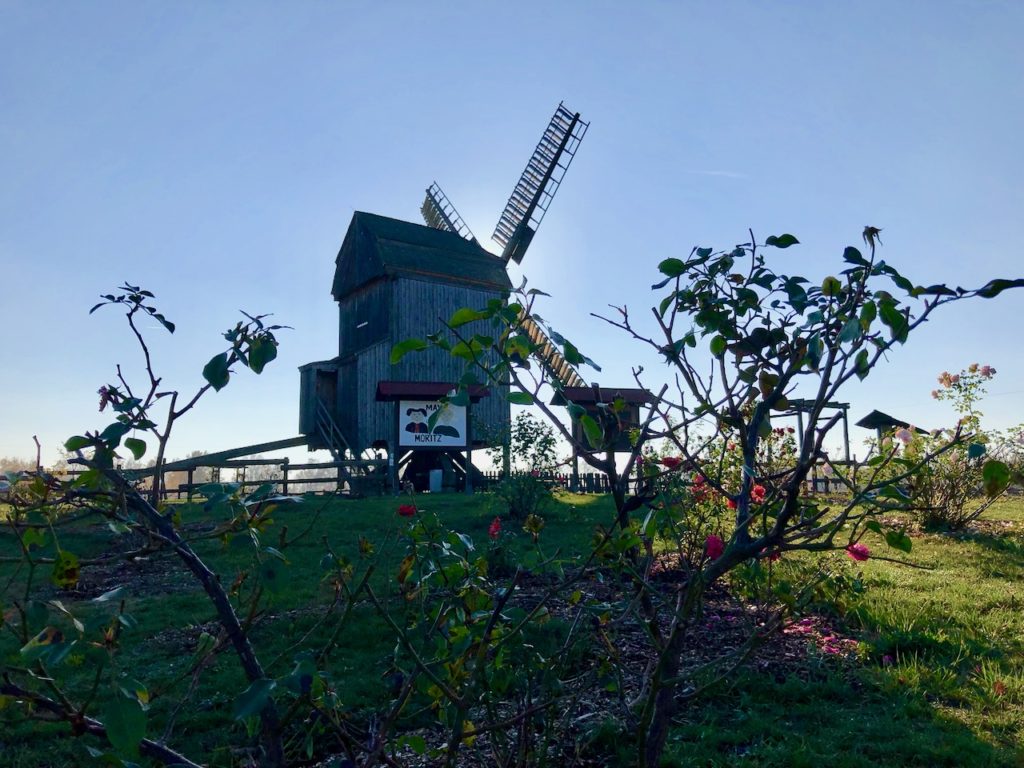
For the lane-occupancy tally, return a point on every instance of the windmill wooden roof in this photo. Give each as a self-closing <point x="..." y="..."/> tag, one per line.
<point x="377" y="246"/>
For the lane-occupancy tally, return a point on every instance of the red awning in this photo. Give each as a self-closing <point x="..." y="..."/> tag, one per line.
<point x="425" y="390"/>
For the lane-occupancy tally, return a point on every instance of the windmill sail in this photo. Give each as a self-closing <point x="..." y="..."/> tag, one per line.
<point x="558" y="368"/>
<point x="540" y="181"/>
<point x="439" y="213"/>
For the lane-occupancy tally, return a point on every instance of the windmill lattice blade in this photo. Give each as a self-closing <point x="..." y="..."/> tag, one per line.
<point x="539" y="182"/>
<point x="550" y="358"/>
<point x="439" y="213"/>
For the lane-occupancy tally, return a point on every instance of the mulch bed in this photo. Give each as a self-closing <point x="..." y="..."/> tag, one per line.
<point x="724" y="626"/>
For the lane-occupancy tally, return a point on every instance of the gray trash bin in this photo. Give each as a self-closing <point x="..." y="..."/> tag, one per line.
<point x="436" y="478"/>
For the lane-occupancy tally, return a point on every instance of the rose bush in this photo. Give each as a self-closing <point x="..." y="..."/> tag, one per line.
<point x="741" y="338"/>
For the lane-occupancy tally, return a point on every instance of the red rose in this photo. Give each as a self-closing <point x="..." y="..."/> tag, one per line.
<point x="731" y="503"/>
<point x="714" y="547"/>
<point x="407" y="510"/>
<point x="671" y="462"/>
<point x="494" y="529"/>
<point x="757" y="494"/>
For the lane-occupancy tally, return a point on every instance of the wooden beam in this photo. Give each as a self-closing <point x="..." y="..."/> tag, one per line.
<point x="211" y="459"/>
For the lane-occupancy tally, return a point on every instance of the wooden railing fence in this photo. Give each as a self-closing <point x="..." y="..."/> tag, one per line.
<point x="376" y="482"/>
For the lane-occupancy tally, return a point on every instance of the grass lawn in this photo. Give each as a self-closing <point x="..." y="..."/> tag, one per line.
<point x="937" y="677"/>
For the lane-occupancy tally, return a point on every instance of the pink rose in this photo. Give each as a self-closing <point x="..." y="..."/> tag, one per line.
<point x="858" y="552"/>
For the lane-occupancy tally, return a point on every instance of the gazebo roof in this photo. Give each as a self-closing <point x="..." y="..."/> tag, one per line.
<point x="879" y="420"/>
<point x="590" y="395"/>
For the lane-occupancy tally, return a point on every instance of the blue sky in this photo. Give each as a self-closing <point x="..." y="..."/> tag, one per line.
<point x="214" y="154"/>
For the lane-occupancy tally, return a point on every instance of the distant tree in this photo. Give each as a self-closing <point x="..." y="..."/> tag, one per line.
<point x="15" y="464"/>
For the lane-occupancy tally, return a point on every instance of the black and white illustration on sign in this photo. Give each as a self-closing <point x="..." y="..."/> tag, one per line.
<point x="414" y="425"/>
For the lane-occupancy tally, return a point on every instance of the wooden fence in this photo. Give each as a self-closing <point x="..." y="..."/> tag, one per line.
<point x="286" y="480"/>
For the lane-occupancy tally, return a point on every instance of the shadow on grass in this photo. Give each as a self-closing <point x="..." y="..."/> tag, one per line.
<point x="840" y="718"/>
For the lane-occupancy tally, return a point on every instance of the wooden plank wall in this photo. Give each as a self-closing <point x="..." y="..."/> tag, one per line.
<point x="421" y="307"/>
<point x="370" y="305"/>
<point x="397" y="309"/>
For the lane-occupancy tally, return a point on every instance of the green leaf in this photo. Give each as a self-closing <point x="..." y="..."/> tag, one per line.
<point x="851" y="330"/>
<point x="862" y="364"/>
<point x="895" y="320"/>
<point x="781" y="241"/>
<point x="796" y="293"/>
<point x="767" y="382"/>
<point x="593" y="431"/>
<point x="300" y="681"/>
<point x="42" y="644"/>
<point x="65" y="570"/>
<point x="520" y="398"/>
<point x="815" y="348"/>
<point x="937" y="290"/>
<point x="903" y="283"/>
<point x="868" y="313"/>
<point x="164" y="322"/>
<point x="852" y="256"/>
<point x="253" y="699"/>
<point x="216" y="371"/>
<point x="467" y="315"/>
<point x="975" y="450"/>
<point x="76" y="443"/>
<point x="994" y="287"/>
<point x="893" y="492"/>
<point x="671" y="268"/>
<point x="571" y="354"/>
<point x="995" y="477"/>
<point x="402" y="348"/>
<point x="831" y="286"/>
<point x="718" y="346"/>
<point x="899" y="540"/>
<point x="33" y="538"/>
<point x="136" y="446"/>
<point x="261" y="352"/>
<point x="665" y="304"/>
<point x="114" y="432"/>
<point x="125" y="722"/>
<point x="416" y="743"/>
<point x="115" y="594"/>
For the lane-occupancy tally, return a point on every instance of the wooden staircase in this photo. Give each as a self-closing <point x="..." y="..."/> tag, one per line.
<point x="354" y="470"/>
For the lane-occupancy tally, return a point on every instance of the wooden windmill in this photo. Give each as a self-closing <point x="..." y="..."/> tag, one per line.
<point x="395" y="281"/>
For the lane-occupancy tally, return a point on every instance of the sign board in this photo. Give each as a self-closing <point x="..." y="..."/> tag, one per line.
<point x="414" y="429"/>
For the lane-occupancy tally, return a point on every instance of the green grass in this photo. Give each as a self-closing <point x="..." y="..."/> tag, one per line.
<point x="951" y="691"/>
